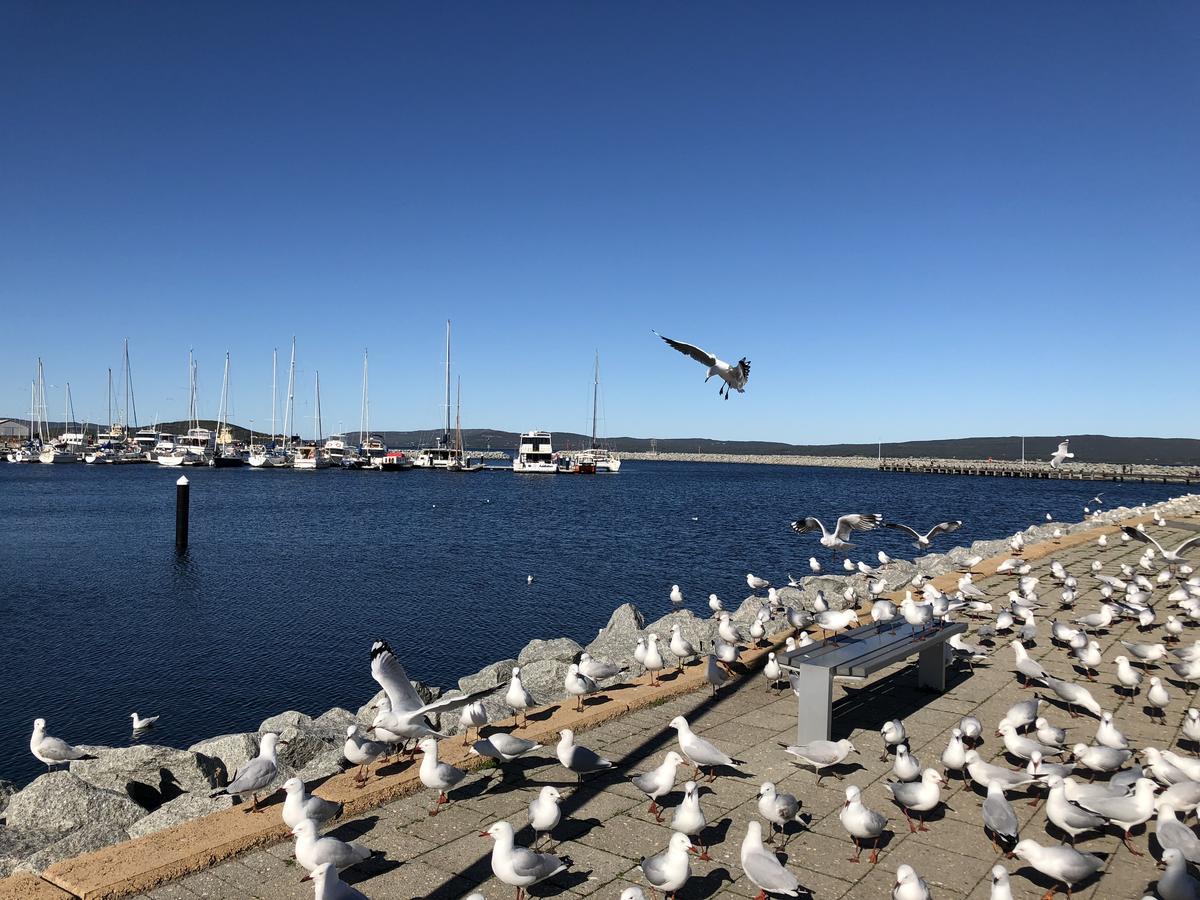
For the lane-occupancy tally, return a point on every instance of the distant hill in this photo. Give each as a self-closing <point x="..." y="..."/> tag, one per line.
<point x="1098" y="448"/>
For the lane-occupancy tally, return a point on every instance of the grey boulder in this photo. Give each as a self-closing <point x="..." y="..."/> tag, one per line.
<point x="149" y="774"/>
<point x="59" y="802"/>
<point x="182" y="809"/>
<point x="560" y="649"/>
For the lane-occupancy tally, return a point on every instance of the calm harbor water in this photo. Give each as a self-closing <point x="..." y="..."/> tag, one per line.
<point x="291" y="575"/>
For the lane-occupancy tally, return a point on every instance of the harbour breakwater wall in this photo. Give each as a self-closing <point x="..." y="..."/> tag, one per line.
<point x="127" y="792"/>
<point x="1029" y="469"/>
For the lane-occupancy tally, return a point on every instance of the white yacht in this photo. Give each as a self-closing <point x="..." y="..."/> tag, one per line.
<point x="442" y="456"/>
<point x="536" y="453"/>
<point x="334" y="449"/>
<point x="309" y="457"/>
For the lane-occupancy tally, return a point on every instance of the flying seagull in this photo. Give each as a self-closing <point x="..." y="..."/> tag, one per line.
<point x="845" y="525"/>
<point x="733" y="377"/>
<point x="1171" y="556"/>
<point x="1060" y="454"/>
<point x="924" y="539"/>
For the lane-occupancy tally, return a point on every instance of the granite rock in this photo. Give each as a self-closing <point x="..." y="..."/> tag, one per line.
<point x="83" y="839"/>
<point x="560" y="649"/>
<point x="149" y="774"/>
<point x="60" y="802"/>
<point x="617" y="639"/>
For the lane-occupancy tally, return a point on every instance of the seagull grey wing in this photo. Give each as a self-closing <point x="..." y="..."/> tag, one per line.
<point x="899" y="527"/>
<point x="655" y="869"/>
<point x="706" y="754"/>
<point x="450" y="775"/>
<point x="387" y="671"/>
<point x="451" y="702"/>
<point x="1188" y="543"/>
<point x="765" y="870"/>
<point x="875" y="821"/>
<point x="944" y="528"/>
<point x="253" y="776"/>
<point x="510" y="745"/>
<point x="58" y="749"/>
<point x="805" y="525"/>
<point x="588" y="760"/>
<point x="856" y="522"/>
<point x="320" y="809"/>
<point x="700" y="356"/>
<point x="816" y="753"/>
<point x="906" y="793"/>
<point x="645" y="783"/>
<point x="999" y="817"/>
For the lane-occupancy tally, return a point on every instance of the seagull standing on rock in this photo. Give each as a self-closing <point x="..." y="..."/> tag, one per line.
<point x="757" y="584"/>
<point x="257" y="774"/>
<point x="51" y="750"/>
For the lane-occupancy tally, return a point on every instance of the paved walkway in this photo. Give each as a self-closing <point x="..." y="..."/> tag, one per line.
<point x="607" y="829"/>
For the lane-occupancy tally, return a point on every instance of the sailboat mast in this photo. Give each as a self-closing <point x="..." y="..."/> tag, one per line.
<point x="224" y="411"/>
<point x="32" y="407"/>
<point x="458" y="441"/>
<point x="110" y="398"/>
<point x="364" y="413"/>
<point x="289" y="410"/>
<point x="447" y="378"/>
<point x="595" y="392"/>
<point x="318" y="375"/>
<point x="274" y="354"/>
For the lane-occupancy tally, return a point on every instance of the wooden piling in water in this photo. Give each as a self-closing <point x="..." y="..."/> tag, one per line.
<point x="182" y="489"/>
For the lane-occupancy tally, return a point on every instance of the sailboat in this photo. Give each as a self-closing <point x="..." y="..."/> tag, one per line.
<point x="69" y="446"/>
<point x="227" y="455"/>
<point x="31" y="450"/>
<point x="461" y="462"/>
<point x="442" y="455"/>
<point x="309" y="456"/>
<point x="108" y="443"/>
<point x="274" y="456"/>
<point x="193" y="448"/>
<point x="596" y="458"/>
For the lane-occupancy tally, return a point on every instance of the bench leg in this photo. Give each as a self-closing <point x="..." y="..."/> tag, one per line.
<point x="814" y="718"/>
<point x="931" y="668"/>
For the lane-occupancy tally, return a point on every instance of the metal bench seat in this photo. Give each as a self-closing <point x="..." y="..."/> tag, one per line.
<point x="858" y="654"/>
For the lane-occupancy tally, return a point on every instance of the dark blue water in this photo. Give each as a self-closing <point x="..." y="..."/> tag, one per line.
<point x="291" y="575"/>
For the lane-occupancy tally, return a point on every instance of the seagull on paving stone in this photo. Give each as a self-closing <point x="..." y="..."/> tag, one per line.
<point x="999" y="818"/>
<point x="437" y="776"/>
<point x="909" y="885"/>
<point x="1172" y="833"/>
<point x="701" y="753"/>
<point x="1070" y="818"/>
<point x="544" y="814"/>
<point x="257" y="774"/>
<point x="1125" y="812"/>
<point x="313" y="850"/>
<point x="837" y="540"/>
<point x="577" y="758"/>
<point x="778" y="809"/>
<point x="658" y="782"/>
<point x="764" y="869"/>
<point x="1176" y="883"/>
<point x="689" y="818"/>
<point x="917" y="796"/>
<point x="822" y="755"/>
<point x="51" y="750"/>
<point x="670" y="870"/>
<point x="893" y="733"/>
<point x="329" y="886"/>
<point x="734" y="377"/>
<point x="862" y="824"/>
<point x="983" y="773"/>
<point x="1061" y="863"/>
<point x="517" y="866"/>
<point x="923" y="540"/>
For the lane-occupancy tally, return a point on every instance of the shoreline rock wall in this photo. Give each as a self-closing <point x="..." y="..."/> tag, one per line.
<point x="131" y="791"/>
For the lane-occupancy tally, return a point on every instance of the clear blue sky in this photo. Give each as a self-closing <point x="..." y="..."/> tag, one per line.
<point x="917" y="220"/>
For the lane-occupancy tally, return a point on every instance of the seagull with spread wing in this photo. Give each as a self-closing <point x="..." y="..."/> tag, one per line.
<point x="734" y="377"/>
<point x="1060" y="454"/>
<point x="924" y="539"/>
<point x="406" y="713"/>
<point x="837" y="539"/>
<point x="1171" y="556"/>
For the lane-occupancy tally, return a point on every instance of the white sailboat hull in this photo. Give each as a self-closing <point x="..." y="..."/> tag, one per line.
<point x="56" y="456"/>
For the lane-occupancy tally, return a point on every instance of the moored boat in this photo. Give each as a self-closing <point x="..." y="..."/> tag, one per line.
<point x="535" y="454"/>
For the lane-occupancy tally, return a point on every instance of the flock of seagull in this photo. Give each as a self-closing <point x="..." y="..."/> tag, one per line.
<point x="1139" y="783"/>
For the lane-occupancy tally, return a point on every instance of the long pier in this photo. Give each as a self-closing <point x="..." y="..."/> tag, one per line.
<point x="1042" y="470"/>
